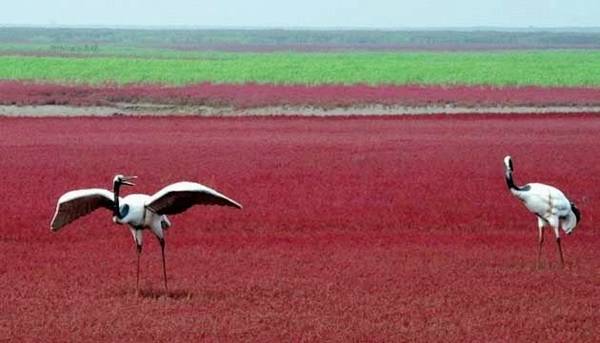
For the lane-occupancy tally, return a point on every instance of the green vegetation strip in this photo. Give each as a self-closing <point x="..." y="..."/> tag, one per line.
<point x="543" y="68"/>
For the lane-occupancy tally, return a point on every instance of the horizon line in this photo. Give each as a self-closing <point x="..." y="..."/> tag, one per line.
<point x="307" y="28"/>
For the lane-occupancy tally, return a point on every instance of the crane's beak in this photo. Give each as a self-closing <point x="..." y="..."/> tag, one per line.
<point x="127" y="180"/>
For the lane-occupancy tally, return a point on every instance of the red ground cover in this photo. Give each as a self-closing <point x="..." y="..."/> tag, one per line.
<point x="388" y="229"/>
<point x="258" y="95"/>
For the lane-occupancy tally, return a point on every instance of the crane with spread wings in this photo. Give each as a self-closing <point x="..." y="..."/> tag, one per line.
<point x="138" y="211"/>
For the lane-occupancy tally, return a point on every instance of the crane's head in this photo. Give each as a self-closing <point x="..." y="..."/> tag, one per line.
<point x="508" y="165"/>
<point x="124" y="180"/>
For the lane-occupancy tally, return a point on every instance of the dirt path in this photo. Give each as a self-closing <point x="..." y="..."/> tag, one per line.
<point x="368" y="110"/>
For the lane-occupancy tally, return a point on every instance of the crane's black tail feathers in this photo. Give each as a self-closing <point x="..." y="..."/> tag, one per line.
<point x="576" y="212"/>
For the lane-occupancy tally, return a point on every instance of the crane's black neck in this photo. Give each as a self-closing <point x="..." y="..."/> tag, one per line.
<point x="510" y="182"/>
<point x="116" y="189"/>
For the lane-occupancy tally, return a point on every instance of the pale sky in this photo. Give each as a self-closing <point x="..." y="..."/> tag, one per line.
<point x="304" y="14"/>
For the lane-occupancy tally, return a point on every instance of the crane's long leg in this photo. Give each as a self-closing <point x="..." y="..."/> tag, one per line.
<point x="557" y="234"/>
<point x="137" y="238"/>
<point x="162" y="250"/>
<point x="541" y="241"/>
<point x="137" y="278"/>
<point x="562" y="260"/>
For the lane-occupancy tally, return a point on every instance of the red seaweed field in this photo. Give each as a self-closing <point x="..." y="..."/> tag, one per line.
<point x="353" y="229"/>
<point x="262" y="95"/>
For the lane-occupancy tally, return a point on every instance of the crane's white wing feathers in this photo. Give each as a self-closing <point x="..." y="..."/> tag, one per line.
<point x="180" y="196"/>
<point x="78" y="203"/>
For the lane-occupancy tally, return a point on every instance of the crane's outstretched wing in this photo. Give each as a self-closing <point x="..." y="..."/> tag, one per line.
<point x="75" y="204"/>
<point x="180" y="196"/>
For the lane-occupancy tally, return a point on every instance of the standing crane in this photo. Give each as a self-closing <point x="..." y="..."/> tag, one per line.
<point x="549" y="204"/>
<point x="138" y="211"/>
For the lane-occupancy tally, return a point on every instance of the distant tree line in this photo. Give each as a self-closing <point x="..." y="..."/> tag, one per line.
<point x="192" y="38"/>
<point x="89" y="48"/>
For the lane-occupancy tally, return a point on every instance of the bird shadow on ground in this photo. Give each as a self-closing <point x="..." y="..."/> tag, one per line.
<point x="179" y="294"/>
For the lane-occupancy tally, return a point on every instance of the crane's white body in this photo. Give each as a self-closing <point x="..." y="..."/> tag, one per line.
<point x="139" y="217"/>
<point x="549" y="204"/>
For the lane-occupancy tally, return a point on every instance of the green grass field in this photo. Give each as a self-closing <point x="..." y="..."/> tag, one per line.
<point x="501" y="68"/>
